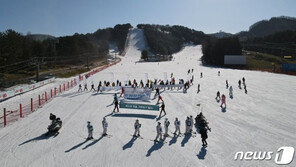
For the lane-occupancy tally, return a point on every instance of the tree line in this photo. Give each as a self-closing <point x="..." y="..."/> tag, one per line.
<point x="279" y="44"/>
<point x="214" y="49"/>
<point x="16" y="47"/>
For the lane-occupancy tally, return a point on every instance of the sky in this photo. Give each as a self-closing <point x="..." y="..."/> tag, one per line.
<point x="66" y="17"/>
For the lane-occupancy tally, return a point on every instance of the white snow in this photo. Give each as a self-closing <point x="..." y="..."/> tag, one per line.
<point x="262" y="120"/>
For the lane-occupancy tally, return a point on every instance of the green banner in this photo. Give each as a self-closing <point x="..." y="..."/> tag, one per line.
<point x="139" y="106"/>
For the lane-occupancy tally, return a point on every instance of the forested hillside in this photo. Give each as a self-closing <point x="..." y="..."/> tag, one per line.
<point x="166" y="40"/>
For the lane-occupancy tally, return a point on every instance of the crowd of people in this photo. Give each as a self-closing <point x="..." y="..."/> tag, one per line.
<point x="200" y="123"/>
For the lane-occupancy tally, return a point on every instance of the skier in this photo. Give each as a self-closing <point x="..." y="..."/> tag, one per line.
<point x="243" y="80"/>
<point x="162" y="109"/>
<point x="226" y="84"/>
<point x="90" y="131"/>
<point x="198" y="88"/>
<point x="177" y="126"/>
<point x="231" y="91"/>
<point x="159" y="98"/>
<point x="99" y="86"/>
<point x="239" y="84"/>
<point x="201" y="75"/>
<point x="192" y="70"/>
<point x="115" y="103"/>
<point x="85" y="87"/>
<point x="159" y="132"/>
<point x="191" y="121"/>
<point x="245" y="87"/>
<point x="223" y="101"/>
<point x="166" y="127"/>
<point x="218" y="96"/>
<point x="203" y="135"/>
<point x="218" y="73"/>
<point x="105" y="125"/>
<point x="137" y="128"/>
<point x="187" y="126"/>
<point x="52" y="117"/>
<point x="80" y="88"/>
<point x="92" y="87"/>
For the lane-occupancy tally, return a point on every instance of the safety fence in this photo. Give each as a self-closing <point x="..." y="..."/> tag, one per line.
<point x="34" y="103"/>
<point x="11" y="115"/>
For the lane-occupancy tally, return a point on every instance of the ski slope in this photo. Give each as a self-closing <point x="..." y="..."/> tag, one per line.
<point x="262" y="120"/>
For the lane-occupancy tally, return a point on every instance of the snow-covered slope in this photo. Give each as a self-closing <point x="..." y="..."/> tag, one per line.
<point x="262" y="120"/>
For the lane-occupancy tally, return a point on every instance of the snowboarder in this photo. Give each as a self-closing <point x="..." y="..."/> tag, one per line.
<point x="162" y="107"/>
<point x="80" y="88"/>
<point x="159" y="132"/>
<point x="230" y="91"/>
<point x="226" y="84"/>
<point x="115" y="103"/>
<point x="105" y="125"/>
<point x="177" y="126"/>
<point x="223" y="101"/>
<point x="187" y="126"/>
<point x="166" y="127"/>
<point x="90" y="131"/>
<point x="55" y="126"/>
<point x="239" y="84"/>
<point x="218" y="96"/>
<point x="137" y="128"/>
<point x="85" y="87"/>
